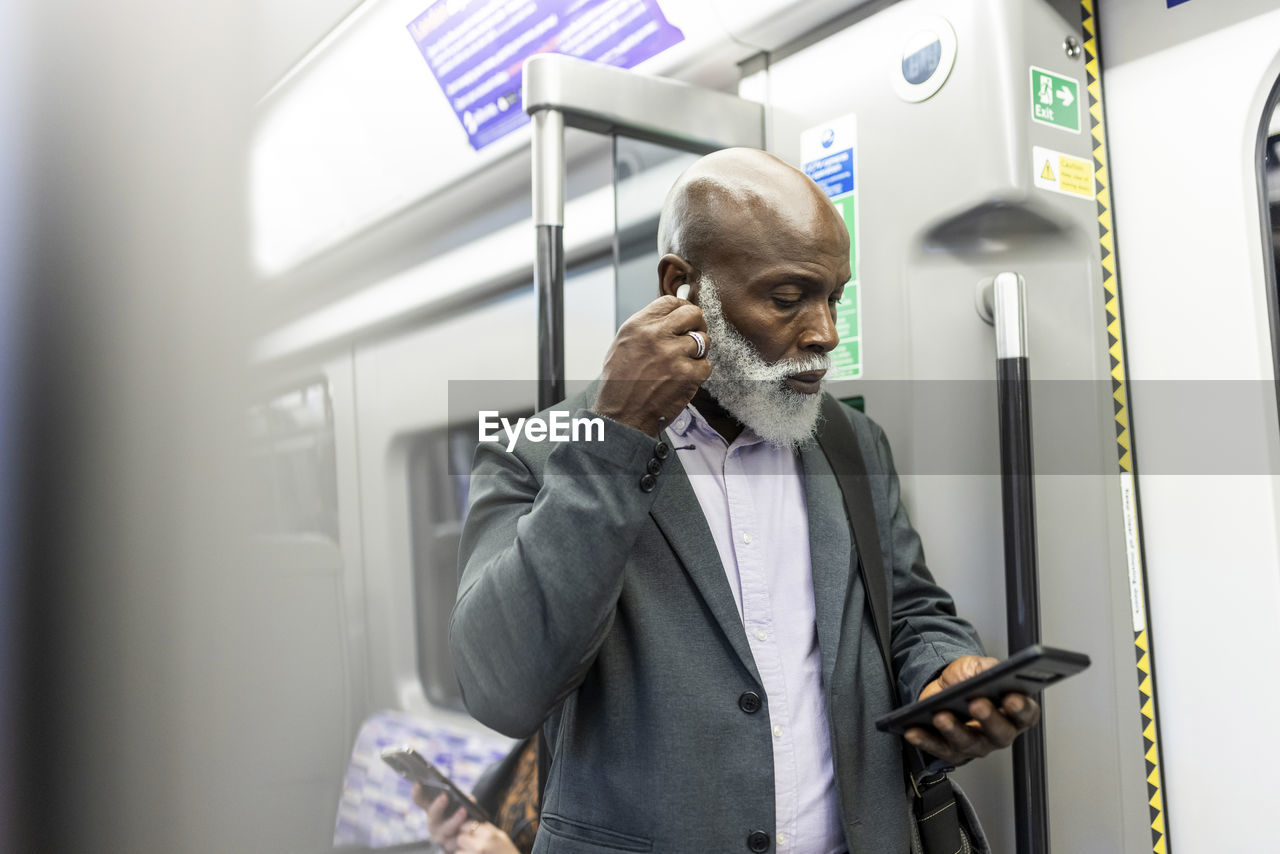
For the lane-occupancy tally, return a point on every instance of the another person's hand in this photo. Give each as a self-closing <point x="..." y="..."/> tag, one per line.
<point x="991" y="728"/>
<point x="444" y="831"/>
<point x="457" y="835"/>
<point x="483" y="838"/>
<point x="651" y="372"/>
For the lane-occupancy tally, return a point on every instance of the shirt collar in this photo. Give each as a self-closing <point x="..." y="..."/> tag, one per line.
<point x="690" y="421"/>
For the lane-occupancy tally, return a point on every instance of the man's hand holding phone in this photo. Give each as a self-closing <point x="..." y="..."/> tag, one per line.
<point x="991" y="728"/>
<point x="979" y="704"/>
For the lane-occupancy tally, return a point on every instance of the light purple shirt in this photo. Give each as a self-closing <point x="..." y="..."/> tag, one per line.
<point x="752" y="494"/>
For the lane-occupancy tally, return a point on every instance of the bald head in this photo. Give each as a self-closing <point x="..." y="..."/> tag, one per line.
<point x="729" y="199"/>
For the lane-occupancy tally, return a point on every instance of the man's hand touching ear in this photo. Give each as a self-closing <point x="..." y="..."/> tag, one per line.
<point x="654" y="367"/>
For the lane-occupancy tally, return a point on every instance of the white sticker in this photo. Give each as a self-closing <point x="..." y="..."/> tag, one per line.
<point x="1062" y="173"/>
<point x="1136" y="598"/>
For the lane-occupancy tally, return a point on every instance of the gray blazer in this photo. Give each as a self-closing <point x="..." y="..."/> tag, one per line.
<point x="603" y="610"/>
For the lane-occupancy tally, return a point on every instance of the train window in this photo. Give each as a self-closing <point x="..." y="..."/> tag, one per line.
<point x="295" y="466"/>
<point x="1269" y="180"/>
<point x="439" y="467"/>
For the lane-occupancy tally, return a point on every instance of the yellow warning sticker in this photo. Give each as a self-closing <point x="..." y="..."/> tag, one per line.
<point x="1062" y="173"/>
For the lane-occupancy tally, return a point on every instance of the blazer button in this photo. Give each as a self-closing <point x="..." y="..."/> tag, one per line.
<point x="750" y="703"/>
<point x="655" y="466"/>
<point x="758" y="841"/>
<point x="661" y="450"/>
<point x="647" y="483"/>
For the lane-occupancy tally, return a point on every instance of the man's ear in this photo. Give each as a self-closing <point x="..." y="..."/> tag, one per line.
<point x="674" y="271"/>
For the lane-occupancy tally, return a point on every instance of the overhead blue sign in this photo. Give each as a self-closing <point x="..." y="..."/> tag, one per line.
<point x="476" y="49"/>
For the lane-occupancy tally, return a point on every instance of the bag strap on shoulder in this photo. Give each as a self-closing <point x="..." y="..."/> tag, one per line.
<point x="840" y="446"/>
<point x="935" y="808"/>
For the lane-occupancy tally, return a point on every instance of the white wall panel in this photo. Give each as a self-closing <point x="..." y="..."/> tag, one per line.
<point x="1184" y="98"/>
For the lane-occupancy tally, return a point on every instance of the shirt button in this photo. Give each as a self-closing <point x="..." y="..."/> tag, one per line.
<point x="647" y="483"/>
<point x="782" y="839"/>
<point x="761" y="634"/>
<point x="758" y="841"/>
<point x="777" y="733"/>
<point x="746" y="538"/>
<point x="749" y="702"/>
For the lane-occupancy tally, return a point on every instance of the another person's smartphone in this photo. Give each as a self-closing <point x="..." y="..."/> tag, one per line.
<point x="411" y="765"/>
<point x="1028" y="671"/>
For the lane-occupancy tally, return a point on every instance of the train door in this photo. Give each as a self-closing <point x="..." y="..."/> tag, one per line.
<point x="1188" y="91"/>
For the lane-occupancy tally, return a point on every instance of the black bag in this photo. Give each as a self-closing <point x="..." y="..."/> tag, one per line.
<point x="943" y="821"/>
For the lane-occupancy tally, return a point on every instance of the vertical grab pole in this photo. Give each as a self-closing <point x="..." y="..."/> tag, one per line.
<point x="548" y="270"/>
<point x="1022" y="585"/>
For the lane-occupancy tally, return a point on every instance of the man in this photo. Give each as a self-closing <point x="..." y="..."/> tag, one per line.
<point x="672" y="602"/>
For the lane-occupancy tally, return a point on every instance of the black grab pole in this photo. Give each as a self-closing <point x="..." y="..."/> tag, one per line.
<point x="548" y="270"/>
<point x="1022" y="585"/>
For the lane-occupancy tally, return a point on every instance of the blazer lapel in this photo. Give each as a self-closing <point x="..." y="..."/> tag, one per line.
<point x="830" y="553"/>
<point x="680" y="518"/>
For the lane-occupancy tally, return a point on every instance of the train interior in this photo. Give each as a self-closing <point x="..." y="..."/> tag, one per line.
<point x="237" y="422"/>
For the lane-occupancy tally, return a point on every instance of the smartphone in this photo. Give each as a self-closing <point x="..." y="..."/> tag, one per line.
<point x="1028" y="671"/>
<point x="411" y="765"/>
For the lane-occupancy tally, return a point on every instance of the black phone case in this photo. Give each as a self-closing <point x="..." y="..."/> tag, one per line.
<point x="1028" y="671"/>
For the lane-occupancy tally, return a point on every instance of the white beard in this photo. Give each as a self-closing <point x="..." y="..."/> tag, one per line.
<point x="752" y="390"/>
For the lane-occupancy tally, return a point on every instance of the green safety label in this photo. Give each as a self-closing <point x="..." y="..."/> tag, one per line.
<point x="828" y="155"/>
<point x="1055" y="100"/>
<point x="846" y="359"/>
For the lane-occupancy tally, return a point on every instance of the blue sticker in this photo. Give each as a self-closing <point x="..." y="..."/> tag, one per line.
<point x="476" y="49"/>
<point x="833" y="173"/>
<point x="1169" y="4"/>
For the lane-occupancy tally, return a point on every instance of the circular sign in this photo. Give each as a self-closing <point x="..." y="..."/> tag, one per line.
<point x="925" y="61"/>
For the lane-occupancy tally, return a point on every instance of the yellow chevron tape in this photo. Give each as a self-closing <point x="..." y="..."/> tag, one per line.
<point x="1110" y="284"/>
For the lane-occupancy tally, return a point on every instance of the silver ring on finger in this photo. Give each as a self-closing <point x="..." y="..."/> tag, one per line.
<point x="701" y="341"/>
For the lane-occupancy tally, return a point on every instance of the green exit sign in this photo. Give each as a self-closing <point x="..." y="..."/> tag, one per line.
<point x="1055" y="100"/>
